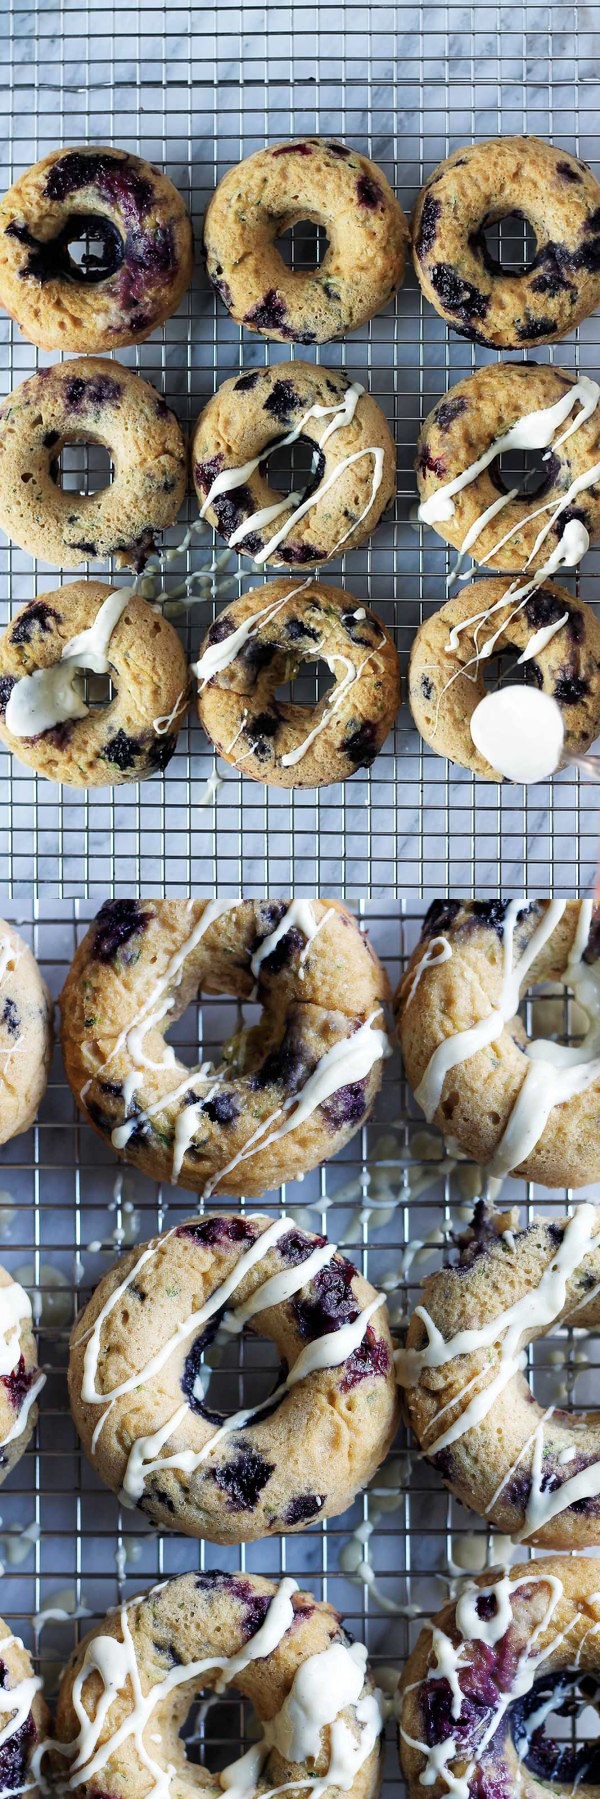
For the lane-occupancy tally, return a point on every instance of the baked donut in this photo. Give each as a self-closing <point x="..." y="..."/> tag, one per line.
<point x="476" y="187"/>
<point x="516" y="1105"/>
<point x="89" y="400"/>
<point x="137" y="1380"/>
<point x="44" y="718"/>
<point x="465" y="497"/>
<point x="25" y="1034"/>
<point x="260" y="641"/>
<point x="486" y="1674"/>
<point x="24" y="1718"/>
<point x="20" y="1379"/>
<point x="354" y="463"/>
<point x="103" y="301"/>
<point x="556" y="636"/>
<point x="534" y="1473"/>
<point x="268" y="193"/>
<point x="127" y="1690"/>
<point x="291" y="1089"/>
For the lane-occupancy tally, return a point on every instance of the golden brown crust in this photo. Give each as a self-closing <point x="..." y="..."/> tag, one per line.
<point x="253" y="730"/>
<point x="25" y="1034"/>
<point x="481" y="183"/>
<point x="274" y="189"/>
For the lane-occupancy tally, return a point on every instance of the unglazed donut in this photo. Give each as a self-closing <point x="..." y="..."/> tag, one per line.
<point x="89" y="400"/>
<point x="481" y="418"/>
<point x="354" y="463"/>
<point x="25" y="1034"/>
<point x="300" y="1455"/>
<point x="554" y="634"/>
<point x="105" y="301"/>
<point x="20" y="1378"/>
<point x="260" y="641"/>
<point x="474" y="188"/>
<point x="282" y="1649"/>
<point x="485" y="1675"/>
<point x="50" y="728"/>
<point x="291" y="1089"/>
<point x="269" y="192"/>
<point x="25" y="1717"/>
<point x="535" y="1474"/>
<point x="534" y="1114"/>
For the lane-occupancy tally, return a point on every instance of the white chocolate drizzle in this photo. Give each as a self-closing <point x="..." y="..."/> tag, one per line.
<point x="324" y="1686"/>
<point x="218" y="656"/>
<point x="520" y="732"/>
<point x="51" y="695"/>
<point x="438" y="950"/>
<point x="338" y="415"/>
<point x="299" y="914"/>
<point x="555" y="1072"/>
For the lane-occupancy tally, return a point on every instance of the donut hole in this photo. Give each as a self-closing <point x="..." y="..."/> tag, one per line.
<point x="231" y="1372"/>
<point x="90" y="248"/>
<point x="308" y="685"/>
<point x="554" y="1728"/>
<point x="218" y="1728"/>
<point x="303" y="246"/>
<point x="507" y="244"/>
<point x="294" y="468"/>
<point x="205" y="1028"/>
<point x="533" y="472"/>
<point x="83" y="467"/>
<point x="98" y="690"/>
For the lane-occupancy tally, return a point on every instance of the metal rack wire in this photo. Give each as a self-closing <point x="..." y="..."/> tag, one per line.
<point x="63" y="1218"/>
<point x="197" y="88"/>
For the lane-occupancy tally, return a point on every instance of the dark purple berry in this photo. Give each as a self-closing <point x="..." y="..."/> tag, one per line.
<point x="247" y="382"/>
<point x="426" y="687"/>
<point x="96" y="390"/>
<point x="222" y="1108"/>
<point x="361" y="744"/>
<point x="293" y="150"/>
<point x="440" y="917"/>
<point x="297" y="631"/>
<point x="369" y="192"/>
<point x="285" y="1066"/>
<point x="118" y="922"/>
<point x="282" y="400"/>
<point x="568" y="172"/>
<point x="570" y="689"/>
<point x="531" y="329"/>
<point x="449" y="410"/>
<point x="330" y="1301"/>
<point x="346" y="1107"/>
<point x="302" y="1509"/>
<point x="269" y="314"/>
<point x="430" y="216"/>
<point x="231" y="509"/>
<point x="7" y="682"/>
<point x="16" y="1385"/>
<point x="113" y="177"/>
<point x="370" y="1361"/>
<point x="299" y="553"/>
<point x="35" y="617"/>
<point x="338" y="149"/>
<point x="456" y="294"/>
<point x="428" y="464"/>
<point x="11" y="1017"/>
<point x="243" y="1479"/>
<point x="206" y="472"/>
<point x="289" y="946"/>
<point x="296" y="1246"/>
<point x="122" y="751"/>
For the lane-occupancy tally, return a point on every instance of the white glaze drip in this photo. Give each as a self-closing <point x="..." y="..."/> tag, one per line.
<point x="46" y="698"/>
<point x="218" y="656"/>
<point x="324" y="1686"/>
<point x="299" y="914"/>
<point x="338" y="415"/>
<point x="533" y="431"/>
<point x="333" y="701"/>
<point x="520" y="732"/>
<point x="429" y="960"/>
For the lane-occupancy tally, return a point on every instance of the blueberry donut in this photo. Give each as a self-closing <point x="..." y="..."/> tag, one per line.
<point x="25" y="1034"/>
<point x="535" y="1474"/>
<point x="513" y="1103"/>
<point x="110" y="297"/>
<point x="89" y="401"/>
<point x="289" y="1091"/>
<point x="20" y="1378"/>
<point x="45" y="719"/>
<point x="139" y="1385"/>
<point x="555" y="636"/>
<point x="473" y="505"/>
<point x="354" y="463"/>
<point x="268" y="193"/>
<point x="476" y="187"/>
<point x="261" y="641"/>
<point x="25" y="1719"/>
<point x="282" y="1650"/>
<point x="486" y="1674"/>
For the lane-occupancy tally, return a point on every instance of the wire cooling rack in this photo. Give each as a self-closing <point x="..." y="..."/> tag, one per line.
<point x="196" y="88"/>
<point x="65" y="1212"/>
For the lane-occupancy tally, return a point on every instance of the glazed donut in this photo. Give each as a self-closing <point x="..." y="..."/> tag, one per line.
<point x="273" y="190"/>
<point x="535" y="1474"/>
<point x="25" y="1034"/>
<point x="44" y="718"/>
<point x="25" y="1718"/>
<point x="329" y="1422"/>
<point x="354" y="463"/>
<point x="262" y="640"/>
<point x="485" y="1675"/>
<point x="20" y="1378"/>
<point x="554" y="634"/>
<point x="475" y="188"/>
<point x="89" y="401"/>
<point x="103" y="301"/>
<point x="291" y="1090"/>
<point x="514" y="1105"/>
<point x="282" y="1649"/>
<point x="484" y="416"/>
